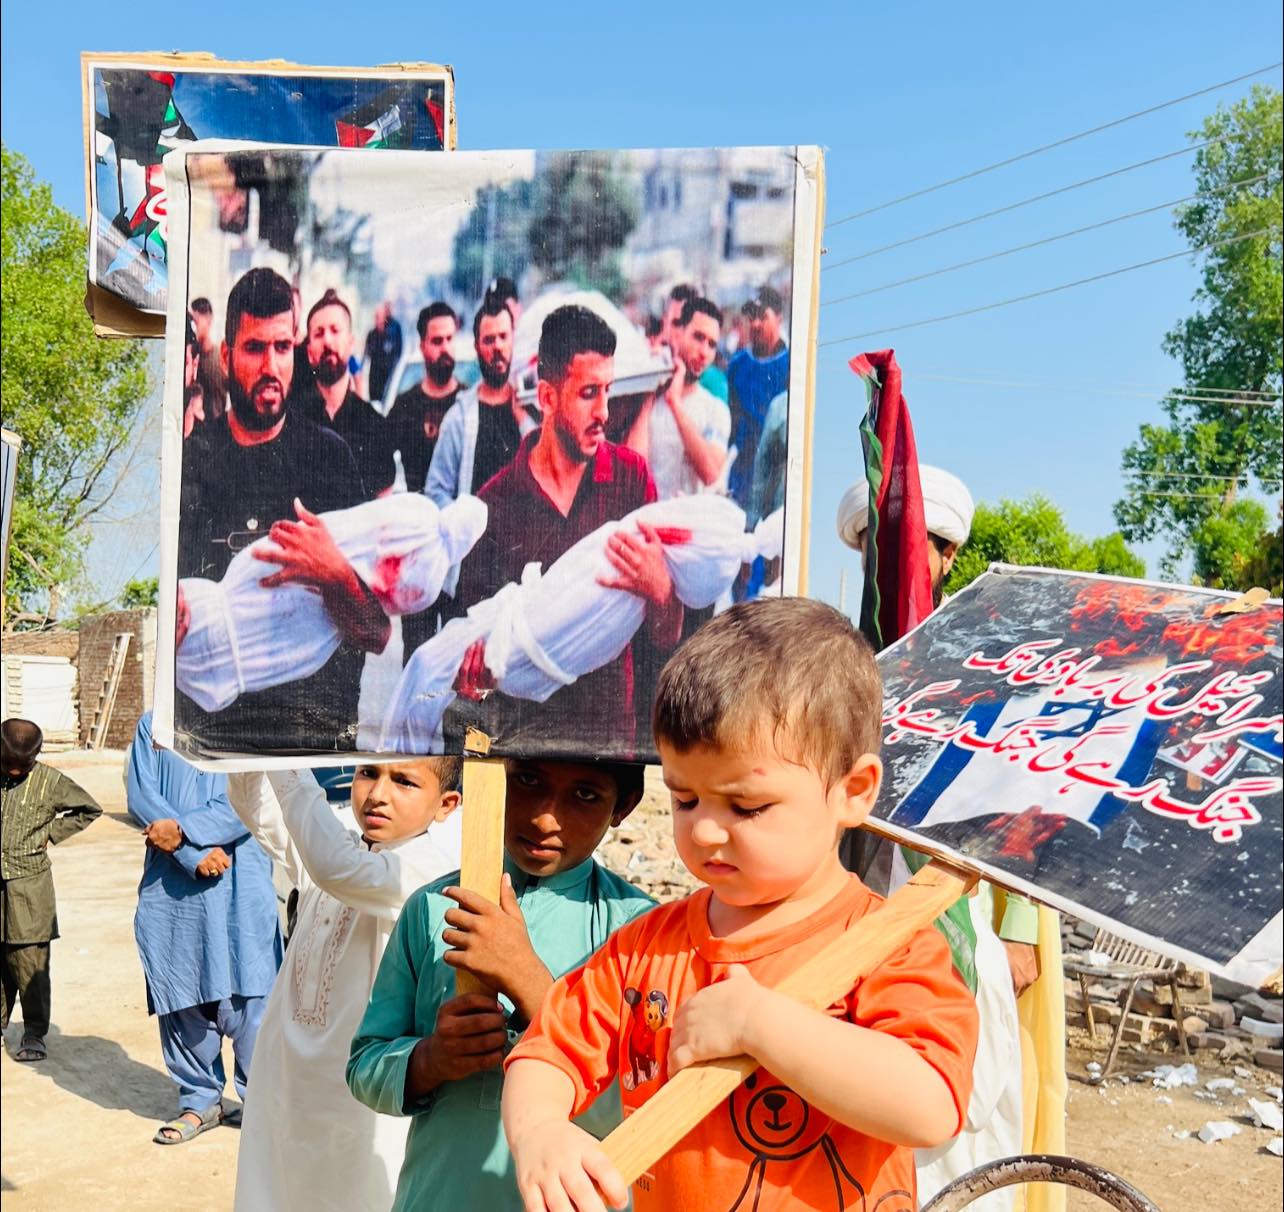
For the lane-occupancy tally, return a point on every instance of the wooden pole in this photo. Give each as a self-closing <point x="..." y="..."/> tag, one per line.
<point x="655" y="1128"/>
<point x="482" y="850"/>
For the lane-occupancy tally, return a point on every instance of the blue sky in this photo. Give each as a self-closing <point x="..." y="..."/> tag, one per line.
<point x="901" y="96"/>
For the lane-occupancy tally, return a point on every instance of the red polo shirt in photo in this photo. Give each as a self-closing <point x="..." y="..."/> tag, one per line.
<point x="525" y="527"/>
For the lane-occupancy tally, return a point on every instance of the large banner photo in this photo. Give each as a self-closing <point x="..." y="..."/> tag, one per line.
<point x="1111" y="746"/>
<point x="487" y="436"/>
<point x="140" y="107"/>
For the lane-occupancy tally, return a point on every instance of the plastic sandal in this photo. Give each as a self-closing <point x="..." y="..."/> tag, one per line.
<point x="184" y="1130"/>
<point x="32" y="1049"/>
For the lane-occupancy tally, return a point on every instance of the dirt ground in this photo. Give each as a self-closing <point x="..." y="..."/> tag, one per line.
<point x="76" y="1129"/>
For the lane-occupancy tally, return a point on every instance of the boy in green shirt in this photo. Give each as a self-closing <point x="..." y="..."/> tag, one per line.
<point x="422" y="1051"/>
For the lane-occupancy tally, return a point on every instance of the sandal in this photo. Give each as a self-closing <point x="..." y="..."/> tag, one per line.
<point x="184" y="1130"/>
<point x="32" y="1049"/>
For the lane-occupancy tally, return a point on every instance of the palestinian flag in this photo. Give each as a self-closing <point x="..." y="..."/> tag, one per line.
<point x="898" y="581"/>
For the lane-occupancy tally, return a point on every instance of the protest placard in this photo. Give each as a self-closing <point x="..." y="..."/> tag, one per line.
<point x="359" y="570"/>
<point x="1111" y="746"/>
<point x="137" y="107"/>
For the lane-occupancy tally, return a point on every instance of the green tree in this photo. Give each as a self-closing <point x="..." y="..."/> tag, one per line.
<point x="1033" y="532"/>
<point x="495" y="239"/>
<point x="1186" y="476"/>
<point x="141" y="591"/>
<point x="584" y="212"/>
<point x="74" y="400"/>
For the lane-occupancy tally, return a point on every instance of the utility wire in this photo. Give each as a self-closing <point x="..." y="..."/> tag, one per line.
<point x="1083" y="134"/>
<point x="1065" y="235"/>
<point x="1050" y="290"/>
<point x="1199" y="393"/>
<point x="1239" y="477"/>
<point x="1002" y="210"/>
<point x="1088" y="389"/>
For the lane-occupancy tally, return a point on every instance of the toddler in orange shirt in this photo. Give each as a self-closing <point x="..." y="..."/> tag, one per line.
<point x="767" y="722"/>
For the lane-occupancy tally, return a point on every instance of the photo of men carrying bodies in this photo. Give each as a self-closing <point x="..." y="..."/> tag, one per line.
<point x="482" y="448"/>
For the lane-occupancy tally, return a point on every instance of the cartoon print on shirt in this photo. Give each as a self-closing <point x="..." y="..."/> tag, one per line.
<point x="648" y="1015"/>
<point x="776" y="1125"/>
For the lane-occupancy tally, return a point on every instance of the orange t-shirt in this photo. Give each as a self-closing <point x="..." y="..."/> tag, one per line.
<point x="765" y="1148"/>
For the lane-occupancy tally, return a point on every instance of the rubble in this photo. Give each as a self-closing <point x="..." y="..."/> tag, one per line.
<point x="1218" y="1129"/>
<point x="1267" y="1115"/>
<point x="1170" y="1077"/>
<point x="1276" y="1146"/>
<point x="1218" y="1015"/>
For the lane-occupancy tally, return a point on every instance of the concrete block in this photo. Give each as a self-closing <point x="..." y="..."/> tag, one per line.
<point x="1270" y="1058"/>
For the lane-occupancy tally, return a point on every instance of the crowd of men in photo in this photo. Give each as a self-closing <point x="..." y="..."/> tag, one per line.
<point x="277" y="431"/>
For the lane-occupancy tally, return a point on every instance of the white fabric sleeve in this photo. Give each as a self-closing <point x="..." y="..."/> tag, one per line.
<point x="254" y="801"/>
<point x="370" y="881"/>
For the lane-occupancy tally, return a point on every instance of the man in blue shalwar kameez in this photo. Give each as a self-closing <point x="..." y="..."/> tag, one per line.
<point x="207" y="928"/>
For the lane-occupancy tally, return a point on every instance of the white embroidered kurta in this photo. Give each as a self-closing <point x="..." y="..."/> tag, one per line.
<point x="306" y="1143"/>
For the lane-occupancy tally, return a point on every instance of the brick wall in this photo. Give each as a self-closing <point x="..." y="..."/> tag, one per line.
<point x="97" y="634"/>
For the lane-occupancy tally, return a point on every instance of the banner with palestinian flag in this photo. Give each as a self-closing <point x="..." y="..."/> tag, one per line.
<point x="139" y="107"/>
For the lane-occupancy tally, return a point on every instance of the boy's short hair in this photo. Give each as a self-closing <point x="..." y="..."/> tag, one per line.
<point x="449" y="772"/>
<point x="22" y="738"/>
<point x="797" y="668"/>
<point x="629" y="780"/>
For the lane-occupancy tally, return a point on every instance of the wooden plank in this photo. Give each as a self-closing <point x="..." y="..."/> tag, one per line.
<point x="655" y="1128"/>
<point x="809" y="401"/>
<point x="482" y="851"/>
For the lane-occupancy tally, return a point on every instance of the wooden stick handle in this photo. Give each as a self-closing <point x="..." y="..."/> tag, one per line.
<point x="481" y="864"/>
<point x="654" y="1129"/>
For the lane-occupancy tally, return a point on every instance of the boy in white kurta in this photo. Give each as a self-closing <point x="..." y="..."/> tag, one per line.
<point x="306" y="1143"/>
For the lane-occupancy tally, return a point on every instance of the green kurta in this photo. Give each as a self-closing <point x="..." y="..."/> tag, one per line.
<point x="456" y="1156"/>
<point x="38" y="811"/>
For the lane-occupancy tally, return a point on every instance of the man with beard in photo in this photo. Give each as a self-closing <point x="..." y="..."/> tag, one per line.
<point x="332" y="400"/>
<point x="415" y="423"/>
<point x="565" y="482"/>
<point x="416" y="415"/>
<point x="481" y="432"/>
<point x="266" y="470"/>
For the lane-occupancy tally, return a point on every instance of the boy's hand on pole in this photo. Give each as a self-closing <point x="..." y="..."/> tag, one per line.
<point x="561" y="1168"/>
<point x="490" y="941"/>
<point x="470" y="1035"/>
<point x="717" y="1021"/>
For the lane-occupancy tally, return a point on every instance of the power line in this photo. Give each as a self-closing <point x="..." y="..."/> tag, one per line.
<point x="1145" y="393"/>
<point x="1238" y="477"/>
<point x="1100" y="390"/>
<point x="1002" y="210"/>
<point x="1188" y="495"/>
<point x="1065" y="235"/>
<point x="1051" y="290"/>
<point x="1083" y="134"/>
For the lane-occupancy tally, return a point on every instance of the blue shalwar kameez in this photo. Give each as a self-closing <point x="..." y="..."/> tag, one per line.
<point x="210" y="946"/>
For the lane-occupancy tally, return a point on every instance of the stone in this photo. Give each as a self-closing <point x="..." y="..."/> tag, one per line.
<point x="1219" y="1015"/>
<point x="1228" y="990"/>
<point x="1086" y="931"/>
<point x="1207" y="1039"/>
<point x="1201" y="996"/>
<point x="1270" y="1058"/>
<point x="1265" y="1009"/>
<point x="1192" y="1024"/>
<point x="1193" y="978"/>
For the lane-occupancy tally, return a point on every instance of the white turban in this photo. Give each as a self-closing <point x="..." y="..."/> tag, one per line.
<point x="947" y="507"/>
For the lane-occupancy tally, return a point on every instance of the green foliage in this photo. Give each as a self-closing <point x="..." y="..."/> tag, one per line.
<point x="1033" y="532"/>
<point x="72" y="398"/>
<point x="141" y="591"/>
<point x="583" y="214"/>
<point x="1264" y="564"/>
<point x="493" y="242"/>
<point x="1187" y="474"/>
